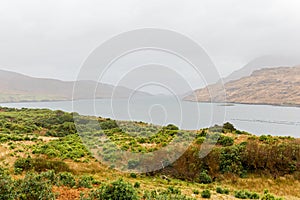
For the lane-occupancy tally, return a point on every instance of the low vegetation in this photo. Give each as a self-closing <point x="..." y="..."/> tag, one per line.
<point x="45" y="155"/>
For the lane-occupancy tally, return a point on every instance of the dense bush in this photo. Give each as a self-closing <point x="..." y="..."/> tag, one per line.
<point x="244" y="194"/>
<point x="85" y="181"/>
<point x="222" y="191"/>
<point x="33" y="187"/>
<point x="23" y="164"/>
<point x="108" y="124"/>
<point x="276" y="159"/>
<point x="204" y="177"/>
<point x="171" y="127"/>
<point x="205" y="194"/>
<point x="228" y="127"/>
<point x="6" y="186"/>
<point x="66" y="179"/>
<point x="69" y="146"/>
<point x="225" y="140"/>
<point x="230" y="160"/>
<point x="119" y="189"/>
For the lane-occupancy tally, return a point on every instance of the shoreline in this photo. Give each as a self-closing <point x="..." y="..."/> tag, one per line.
<point x="215" y="102"/>
<point x="241" y="103"/>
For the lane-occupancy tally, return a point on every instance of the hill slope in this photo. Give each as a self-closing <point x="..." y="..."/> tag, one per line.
<point x="269" y="61"/>
<point x="266" y="86"/>
<point x="15" y="87"/>
<point x="42" y="155"/>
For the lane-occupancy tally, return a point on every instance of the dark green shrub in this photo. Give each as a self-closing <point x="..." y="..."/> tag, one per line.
<point x="85" y="181"/>
<point x="222" y="191"/>
<point x="244" y="194"/>
<point x="33" y="187"/>
<point x="196" y="192"/>
<point x="205" y="194"/>
<point x="171" y="127"/>
<point x="108" y="124"/>
<point x="133" y="175"/>
<point x="225" y="140"/>
<point x="66" y="179"/>
<point x="204" y="177"/>
<point x="173" y="190"/>
<point x="119" y="189"/>
<point x="203" y="133"/>
<point x="22" y="164"/>
<point x="230" y="160"/>
<point x="228" y="127"/>
<point x="137" y="185"/>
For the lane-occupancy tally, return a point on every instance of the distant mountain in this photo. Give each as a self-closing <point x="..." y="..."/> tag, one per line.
<point x="15" y="87"/>
<point x="267" y="61"/>
<point x="280" y="86"/>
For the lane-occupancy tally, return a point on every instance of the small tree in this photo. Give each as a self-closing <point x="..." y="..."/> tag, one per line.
<point x="204" y="177"/>
<point x="228" y="127"/>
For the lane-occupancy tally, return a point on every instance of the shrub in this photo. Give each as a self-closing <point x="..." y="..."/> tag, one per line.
<point x="225" y="140"/>
<point x="196" y="192"/>
<point x="173" y="190"/>
<point x="70" y="146"/>
<point x="133" y="175"/>
<point x="200" y="140"/>
<point x="49" y="175"/>
<point x="172" y="127"/>
<point x="244" y="194"/>
<point x="22" y="164"/>
<point x="205" y="194"/>
<point x="85" y="181"/>
<point x="108" y="124"/>
<point x="33" y="187"/>
<point x="230" y="160"/>
<point x="228" y="127"/>
<point x="119" y="189"/>
<point x="137" y="185"/>
<point x="222" y="191"/>
<point x="204" y="177"/>
<point x="6" y="186"/>
<point x="268" y="196"/>
<point x="66" y="179"/>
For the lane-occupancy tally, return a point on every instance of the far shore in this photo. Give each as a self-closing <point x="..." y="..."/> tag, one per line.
<point x="227" y="103"/>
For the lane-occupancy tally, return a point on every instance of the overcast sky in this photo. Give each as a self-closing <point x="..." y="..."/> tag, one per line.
<point x="52" y="38"/>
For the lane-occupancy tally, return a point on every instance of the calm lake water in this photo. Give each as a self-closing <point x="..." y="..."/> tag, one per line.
<point x="256" y="119"/>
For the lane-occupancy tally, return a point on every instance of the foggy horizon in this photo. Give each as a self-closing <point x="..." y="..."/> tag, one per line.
<point x="52" y="39"/>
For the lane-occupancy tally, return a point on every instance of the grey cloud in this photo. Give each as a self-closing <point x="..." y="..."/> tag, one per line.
<point x="52" y="38"/>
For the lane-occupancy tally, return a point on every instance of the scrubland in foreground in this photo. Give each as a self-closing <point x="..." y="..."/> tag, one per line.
<point x="44" y="156"/>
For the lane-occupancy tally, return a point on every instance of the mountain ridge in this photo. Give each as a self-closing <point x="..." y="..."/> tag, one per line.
<point x="276" y="86"/>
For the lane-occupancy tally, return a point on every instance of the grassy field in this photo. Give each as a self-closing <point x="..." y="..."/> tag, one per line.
<point x="45" y="155"/>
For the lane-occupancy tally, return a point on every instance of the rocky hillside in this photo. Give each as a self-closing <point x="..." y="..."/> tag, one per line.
<point x="280" y="86"/>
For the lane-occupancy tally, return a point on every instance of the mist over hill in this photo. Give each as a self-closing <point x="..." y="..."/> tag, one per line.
<point x="15" y="87"/>
<point x="279" y="85"/>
